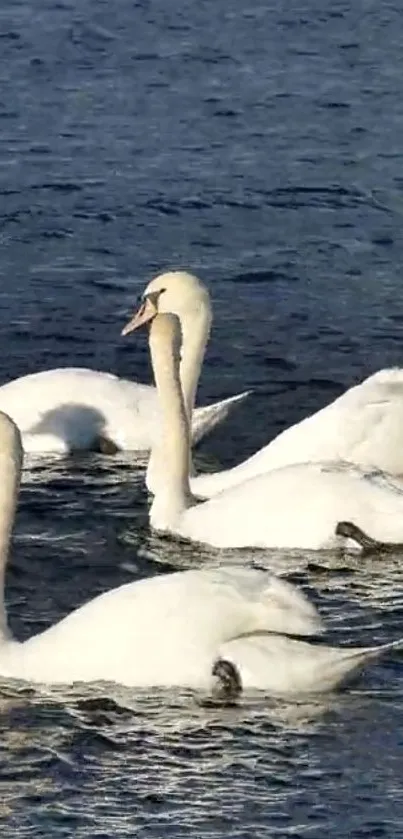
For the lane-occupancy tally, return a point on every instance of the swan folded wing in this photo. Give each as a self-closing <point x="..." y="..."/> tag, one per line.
<point x="275" y="605"/>
<point x="361" y="426"/>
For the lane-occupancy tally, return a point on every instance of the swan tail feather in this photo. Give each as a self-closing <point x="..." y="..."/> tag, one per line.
<point x="205" y="419"/>
<point x="349" y="663"/>
<point x="289" y="667"/>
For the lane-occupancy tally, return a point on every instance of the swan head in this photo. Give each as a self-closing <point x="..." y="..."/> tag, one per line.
<point x="175" y="292"/>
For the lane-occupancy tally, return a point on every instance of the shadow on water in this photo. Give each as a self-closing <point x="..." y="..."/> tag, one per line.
<point x="75" y="427"/>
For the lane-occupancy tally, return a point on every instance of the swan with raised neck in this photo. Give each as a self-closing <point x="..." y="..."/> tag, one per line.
<point x="297" y="506"/>
<point x="362" y="426"/>
<point x="182" y="294"/>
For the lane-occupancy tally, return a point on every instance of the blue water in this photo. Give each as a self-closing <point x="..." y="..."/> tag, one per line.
<point x="259" y="145"/>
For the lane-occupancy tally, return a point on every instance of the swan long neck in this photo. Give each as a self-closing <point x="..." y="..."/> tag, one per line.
<point x="171" y="452"/>
<point x="195" y="334"/>
<point x="10" y="472"/>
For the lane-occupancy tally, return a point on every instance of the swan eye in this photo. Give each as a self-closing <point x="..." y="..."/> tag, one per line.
<point x="154" y="296"/>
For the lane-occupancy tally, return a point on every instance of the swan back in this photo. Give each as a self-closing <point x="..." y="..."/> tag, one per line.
<point x="171" y="453"/>
<point x="10" y="473"/>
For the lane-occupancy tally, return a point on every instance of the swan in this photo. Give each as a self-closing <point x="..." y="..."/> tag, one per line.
<point x="363" y="426"/>
<point x="75" y="408"/>
<point x="297" y="506"/>
<point x="218" y="629"/>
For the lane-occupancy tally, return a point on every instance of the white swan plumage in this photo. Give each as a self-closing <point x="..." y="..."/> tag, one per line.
<point x="73" y="408"/>
<point x="363" y="426"/>
<point x="297" y="506"/>
<point x="173" y="630"/>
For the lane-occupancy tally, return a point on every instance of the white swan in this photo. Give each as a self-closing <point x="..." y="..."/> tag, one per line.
<point x="363" y="426"/>
<point x="76" y="408"/>
<point x="297" y="506"/>
<point x="184" y="629"/>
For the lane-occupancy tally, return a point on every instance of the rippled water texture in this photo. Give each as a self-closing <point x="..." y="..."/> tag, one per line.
<point x="260" y="145"/>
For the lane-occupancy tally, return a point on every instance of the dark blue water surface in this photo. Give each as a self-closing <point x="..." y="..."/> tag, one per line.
<point x="259" y="145"/>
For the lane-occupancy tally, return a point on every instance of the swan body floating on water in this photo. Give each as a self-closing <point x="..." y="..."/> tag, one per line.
<point x="214" y="629"/>
<point x="297" y="506"/>
<point x="363" y="426"/>
<point x="75" y="408"/>
<point x="72" y="408"/>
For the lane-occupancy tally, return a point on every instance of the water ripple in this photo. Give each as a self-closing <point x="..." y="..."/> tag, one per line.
<point x="260" y="147"/>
